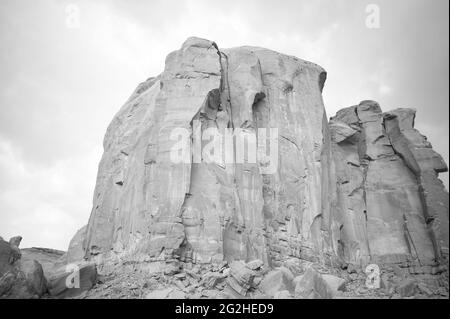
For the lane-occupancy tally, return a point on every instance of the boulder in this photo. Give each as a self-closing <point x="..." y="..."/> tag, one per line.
<point x="277" y="280"/>
<point x="241" y="278"/>
<point x="159" y="294"/>
<point x="385" y="283"/>
<point x="15" y="241"/>
<point x="50" y="259"/>
<point x="9" y="253"/>
<point x="7" y="257"/>
<point x="335" y="283"/>
<point x="283" y="294"/>
<point x="171" y="269"/>
<point x="19" y="278"/>
<point x="6" y="283"/>
<point x="423" y="288"/>
<point x="72" y="280"/>
<point x="407" y="288"/>
<point x="25" y="280"/>
<point x="311" y="285"/>
<point x="212" y="279"/>
<point x="34" y="276"/>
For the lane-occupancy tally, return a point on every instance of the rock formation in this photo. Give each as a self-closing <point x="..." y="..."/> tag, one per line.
<point x="312" y="203"/>
<point x="19" y="277"/>
<point x="360" y="189"/>
<point x="145" y="205"/>
<point x="390" y="205"/>
<point x="41" y="272"/>
<point x="48" y="258"/>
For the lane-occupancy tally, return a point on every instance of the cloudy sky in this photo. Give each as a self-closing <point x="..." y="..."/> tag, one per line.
<point x="66" y="67"/>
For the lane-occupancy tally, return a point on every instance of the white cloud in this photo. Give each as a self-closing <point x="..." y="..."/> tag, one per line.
<point x="384" y="89"/>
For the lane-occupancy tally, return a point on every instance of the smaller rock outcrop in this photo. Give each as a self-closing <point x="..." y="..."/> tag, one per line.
<point x="407" y="288"/>
<point x="336" y="284"/>
<point x="19" y="278"/>
<point x="35" y="272"/>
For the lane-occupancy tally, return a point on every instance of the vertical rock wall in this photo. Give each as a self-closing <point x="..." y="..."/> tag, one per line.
<point x="146" y="205"/>
<point x="387" y="185"/>
<point x="361" y="188"/>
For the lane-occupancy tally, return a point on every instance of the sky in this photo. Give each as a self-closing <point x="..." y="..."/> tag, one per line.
<point x="66" y="67"/>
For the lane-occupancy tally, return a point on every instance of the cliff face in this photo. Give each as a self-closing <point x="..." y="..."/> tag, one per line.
<point x="362" y="188"/>
<point x="390" y="205"/>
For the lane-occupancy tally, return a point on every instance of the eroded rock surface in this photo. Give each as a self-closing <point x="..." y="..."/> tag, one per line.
<point x="147" y="206"/>
<point x="359" y="189"/>
<point x="48" y="258"/>
<point x="391" y="208"/>
<point x="67" y="282"/>
<point x="76" y="250"/>
<point x="20" y="278"/>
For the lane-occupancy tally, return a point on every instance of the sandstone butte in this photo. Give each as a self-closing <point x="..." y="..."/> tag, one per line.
<point x="359" y="188"/>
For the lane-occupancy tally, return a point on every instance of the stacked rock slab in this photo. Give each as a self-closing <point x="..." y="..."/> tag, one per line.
<point x="75" y="252"/>
<point x="390" y="205"/>
<point x="361" y="188"/>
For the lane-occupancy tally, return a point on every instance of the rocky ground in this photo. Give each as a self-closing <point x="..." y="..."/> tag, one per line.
<point x="253" y="281"/>
<point x="42" y="273"/>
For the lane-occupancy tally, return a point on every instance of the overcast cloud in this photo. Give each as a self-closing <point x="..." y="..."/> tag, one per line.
<point x="61" y="86"/>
